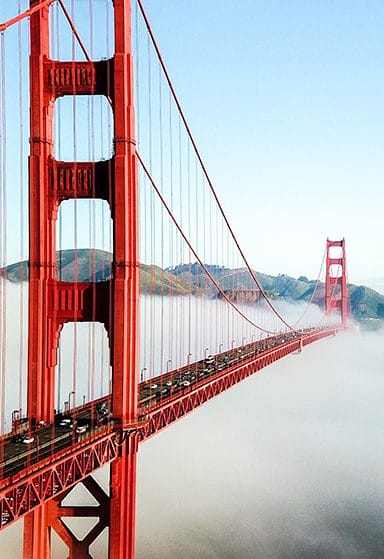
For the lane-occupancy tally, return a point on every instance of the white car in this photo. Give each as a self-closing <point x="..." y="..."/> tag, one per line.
<point x="81" y="429"/>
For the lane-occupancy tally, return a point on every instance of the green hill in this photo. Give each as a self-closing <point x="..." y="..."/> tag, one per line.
<point x="95" y="265"/>
<point x="367" y="305"/>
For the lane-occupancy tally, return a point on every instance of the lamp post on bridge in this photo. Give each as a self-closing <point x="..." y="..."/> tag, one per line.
<point x="72" y="393"/>
<point x="219" y="352"/>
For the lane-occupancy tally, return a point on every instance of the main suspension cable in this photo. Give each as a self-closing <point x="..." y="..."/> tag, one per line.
<point x="211" y="277"/>
<point x="309" y="302"/>
<point x="24" y="15"/>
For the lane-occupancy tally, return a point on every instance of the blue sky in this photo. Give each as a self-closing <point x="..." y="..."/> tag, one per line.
<point x="286" y="101"/>
<point x="285" y="98"/>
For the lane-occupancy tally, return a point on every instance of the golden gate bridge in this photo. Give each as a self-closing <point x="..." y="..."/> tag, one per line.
<point x="114" y="178"/>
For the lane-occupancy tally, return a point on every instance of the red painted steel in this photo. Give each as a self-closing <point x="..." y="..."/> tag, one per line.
<point x="31" y="488"/>
<point x="336" y="289"/>
<point x="42" y="258"/>
<point x="125" y="292"/>
<point x="114" y="303"/>
<point x="37" y="542"/>
<point x="42" y="265"/>
<point x="79" y="549"/>
<point x="25" y="14"/>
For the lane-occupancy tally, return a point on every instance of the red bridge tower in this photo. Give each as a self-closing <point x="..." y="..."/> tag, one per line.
<point x="53" y="303"/>
<point x="336" y="292"/>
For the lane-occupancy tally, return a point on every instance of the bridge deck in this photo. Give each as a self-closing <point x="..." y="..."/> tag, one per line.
<point x="71" y="446"/>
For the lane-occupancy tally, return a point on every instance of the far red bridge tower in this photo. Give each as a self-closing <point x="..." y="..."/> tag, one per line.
<point x="336" y="293"/>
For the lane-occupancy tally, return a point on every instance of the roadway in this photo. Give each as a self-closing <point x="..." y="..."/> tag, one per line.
<point x="29" y="445"/>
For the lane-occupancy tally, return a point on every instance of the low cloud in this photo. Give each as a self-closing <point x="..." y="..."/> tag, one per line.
<point x="287" y="465"/>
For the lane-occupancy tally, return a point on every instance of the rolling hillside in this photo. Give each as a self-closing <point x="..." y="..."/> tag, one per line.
<point x="367" y="305"/>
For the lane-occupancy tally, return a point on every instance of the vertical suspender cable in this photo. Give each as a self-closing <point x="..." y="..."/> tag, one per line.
<point x="143" y="195"/>
<point x="111" y="138"/>
<point x="199" y="340"/>
<point x="171" y="326"/>
<point x="181" y="245"/>
<point x="21" y="209"/>
<point x="152" y="214"/>
<point x="189" y="327"/>
<point x="58" y="135"/>
<point x="3" y="241"/>
<point x="92" y="221"/>
<point x="162" y="321"/>
<point x="198" y="155"/>
<point x="75" y="232"/>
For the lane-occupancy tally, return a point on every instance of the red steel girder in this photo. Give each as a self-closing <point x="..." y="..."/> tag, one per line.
<point x="30" y="489"/>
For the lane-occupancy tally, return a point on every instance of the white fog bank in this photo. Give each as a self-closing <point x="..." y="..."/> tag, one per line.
<point x="289" y="464"/>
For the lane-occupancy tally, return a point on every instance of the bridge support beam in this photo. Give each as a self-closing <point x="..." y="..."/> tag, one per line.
<point x="37" y="534"/>
<point x="122" y="530"/>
